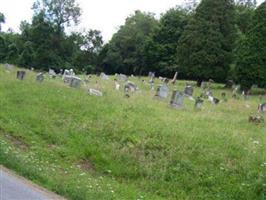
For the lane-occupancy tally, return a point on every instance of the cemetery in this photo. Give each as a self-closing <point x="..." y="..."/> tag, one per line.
<point x="133" y="100"/>
<point x="80" y="131"/>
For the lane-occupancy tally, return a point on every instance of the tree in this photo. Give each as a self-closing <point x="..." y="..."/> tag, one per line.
<point x="127" y="47"/>
<point x="248" y="3"/>
<point x="251" y="62"/>
<point x="160" y="51"/>
<point x="205" y="47"/>
<point x="2" y="20"/>
<point x="59" y="12"/>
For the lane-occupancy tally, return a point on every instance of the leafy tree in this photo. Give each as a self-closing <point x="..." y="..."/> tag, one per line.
<point x="248" y="3"/>
<point x="160" y="51"/>
<point x="2" y="49"/>
<point x="2" y="20"/>
<point x="59" y="12"/>
<point x="127" y="47"/>
<point x="205" y="48"/>
<point x="251" y="62"/>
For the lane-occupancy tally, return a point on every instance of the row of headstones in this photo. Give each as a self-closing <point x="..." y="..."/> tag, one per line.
<point x="162" y="91"/>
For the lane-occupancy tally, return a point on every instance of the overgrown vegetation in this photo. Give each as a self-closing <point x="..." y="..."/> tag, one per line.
<point x="110" y="147"/>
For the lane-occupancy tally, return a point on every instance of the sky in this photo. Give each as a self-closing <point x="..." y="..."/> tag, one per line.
<point x="103" y="15"/>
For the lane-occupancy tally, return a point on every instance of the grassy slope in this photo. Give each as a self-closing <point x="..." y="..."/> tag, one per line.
<point x="87" y="147"/>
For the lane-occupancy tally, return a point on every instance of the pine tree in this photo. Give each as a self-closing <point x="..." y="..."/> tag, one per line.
<point x="251" y="62"/>
<point x="205" y="48"/>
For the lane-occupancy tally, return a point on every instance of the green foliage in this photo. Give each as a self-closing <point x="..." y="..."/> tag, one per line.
<point x="2" y="19"/>
<point x="160" y="50"/>
<point x="126" y="49"/>
<point x="205" y="48"/>
<point x="58" y="12"/>
<point x="252" y="52"/>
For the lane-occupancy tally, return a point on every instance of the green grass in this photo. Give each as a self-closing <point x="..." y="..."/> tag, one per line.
<point x="110" y="147"/>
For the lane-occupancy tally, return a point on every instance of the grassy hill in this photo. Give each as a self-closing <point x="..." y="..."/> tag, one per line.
<point x="110" y="147"/>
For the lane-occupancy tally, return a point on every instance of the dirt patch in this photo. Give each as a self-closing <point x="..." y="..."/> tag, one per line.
<point x="17" y="142"/>
<point x="87" y="165"/>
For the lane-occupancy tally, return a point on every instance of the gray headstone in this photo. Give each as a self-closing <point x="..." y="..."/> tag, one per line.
<point x="8" y="67"/>
<point x="177" y="99"/>
<point x="198" y="103"/>
<point x="262" y="107"/>
<point x="189" y="91"/>
<point x="104" y="76"/>
<point x="40" y="77"/>
<point x="94" y="92"/>
<point x="123" y="77"/>
<point x="52" y="73"/>
<point x="75" y="82"/>
<point x="130" y="86"/>
<point x="21" y="75"/>
<point x="162" y="91"/>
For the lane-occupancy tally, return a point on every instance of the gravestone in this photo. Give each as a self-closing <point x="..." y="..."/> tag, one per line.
<point x="198" y="103"/>
<point x="8" y="67"/>
<point x="174" y="79"/>
<point x="188" y="91"/>
<point x="151" y="74"/>
<point x="262" y="107"/>
<point x="177" y="99"/>
<point x="75" y="82"/>
<point x="131" y="86"/>
<point x="52" y="73"/>
<point x="123" y="77"/>
<point x="162" y="91"/>
<point x="229" y="84"/>
<point x="213" y="100"/>
<point x="21" y="75"/>
<point x="204" y="85"/>
<point x="67" y="79"/>
<point x="117" y="85"/>
<point x="94" y="92"/>
<point x="40" y="77"/>
<point x="104" y="76"/>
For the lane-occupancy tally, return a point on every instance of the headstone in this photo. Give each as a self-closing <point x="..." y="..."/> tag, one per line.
<point x="40" y="77"/>
<point x="94" y="92"/>
<point x="204" y="85"/>
<point x="131" y="86"/>
<point x="262" y="107"/>
<point x="123" y="77"/>
<point x="21" y="75"/>
<point x="198" y="103"/>
<point x="117" y="85"/>
<point x="188" y="91"/>
<point x="216" y="101"/>
<point x="229" y="84"/>
<point x="177" y="99"/>
<point x="174" y="79"/>
<point x="8" y="67"/>
<point x="151" y="74"/>
<point x="52" y="73"/>
<point x="213" y="100"/>
<point x="162" y="91"/>
<point x="126" y="92"/>
<point x="104" y="76"/>
<point x="75" y="82"/>
<point x="67" y="79"/>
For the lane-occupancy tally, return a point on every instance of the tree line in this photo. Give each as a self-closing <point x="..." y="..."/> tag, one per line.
<point x="218" y="40"/>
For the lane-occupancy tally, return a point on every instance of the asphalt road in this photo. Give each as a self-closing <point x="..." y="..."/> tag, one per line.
<point x="13" y="187"/>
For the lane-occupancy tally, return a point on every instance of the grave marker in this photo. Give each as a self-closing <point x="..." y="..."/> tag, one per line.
<point x="40" y="77"/>
<point x="177" y="99"/>
<point x="21" y="75"/>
